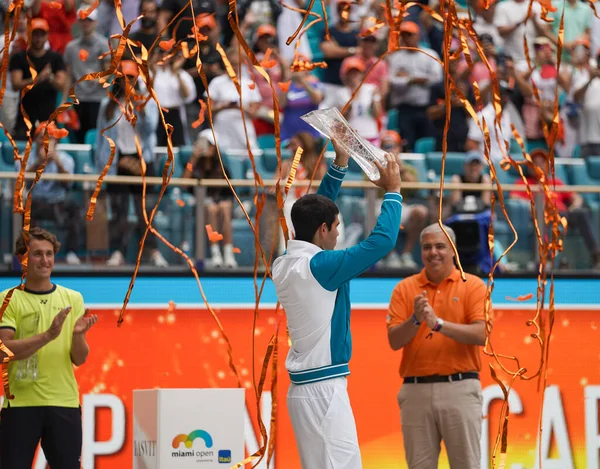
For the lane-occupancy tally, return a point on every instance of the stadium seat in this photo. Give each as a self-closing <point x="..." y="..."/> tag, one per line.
<point x="82" y="156"/>
<point x="243" y="238"/>
<point x="424" y="145"/>
<point x="185" y="152"/>
<point x="90" y="137"/>
<point x="8" y="152"/>
<point x="454" y="163"/>
<point x="266" y="141"/>
<point x="420" y="164"/>
<point x="519" y="212"/>
<point x="4" y="166"/>
<point x="581" y="173"/>
<point x="269" y="158"/>
<point x="392" y="116"/>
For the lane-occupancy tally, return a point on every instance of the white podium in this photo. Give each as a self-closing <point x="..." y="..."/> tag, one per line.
<point x="188" y="428"/>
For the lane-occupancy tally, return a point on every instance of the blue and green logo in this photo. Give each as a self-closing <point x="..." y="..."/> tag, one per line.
<point x="188" y="440"/>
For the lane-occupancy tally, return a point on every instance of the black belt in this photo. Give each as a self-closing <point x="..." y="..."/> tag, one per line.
<point x="441" y="379"/>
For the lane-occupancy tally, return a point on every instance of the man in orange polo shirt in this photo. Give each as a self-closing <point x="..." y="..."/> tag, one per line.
<point x="439" y="322"/>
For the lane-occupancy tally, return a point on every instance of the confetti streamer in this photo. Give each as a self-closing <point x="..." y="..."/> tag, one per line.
<point x="548" y="245"/>
<point x="527" y="297"/>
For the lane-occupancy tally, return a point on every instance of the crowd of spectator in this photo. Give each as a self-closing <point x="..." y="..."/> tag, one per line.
<point x="401" y="104"/>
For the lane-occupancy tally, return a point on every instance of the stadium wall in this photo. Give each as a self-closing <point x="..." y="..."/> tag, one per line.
<point x="169" y="339"/>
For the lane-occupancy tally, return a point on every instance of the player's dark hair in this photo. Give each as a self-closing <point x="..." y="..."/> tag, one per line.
<point x="35" y="233"/>
<point x="309" y="213"/>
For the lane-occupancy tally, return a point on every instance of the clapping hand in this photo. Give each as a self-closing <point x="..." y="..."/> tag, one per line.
<point x="85" y="323"/>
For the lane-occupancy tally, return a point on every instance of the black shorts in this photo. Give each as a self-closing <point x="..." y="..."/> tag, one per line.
<point x="58" y="428"/>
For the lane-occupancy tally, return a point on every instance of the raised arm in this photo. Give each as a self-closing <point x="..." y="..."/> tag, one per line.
<point x="331" y="183"/>
<point x="334" y="268"/>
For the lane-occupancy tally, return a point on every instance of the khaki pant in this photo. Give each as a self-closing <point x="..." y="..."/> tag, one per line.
<point x="451" y="412"/>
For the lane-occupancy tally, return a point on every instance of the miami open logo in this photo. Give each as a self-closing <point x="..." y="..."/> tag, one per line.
<point x="188" y="442"/>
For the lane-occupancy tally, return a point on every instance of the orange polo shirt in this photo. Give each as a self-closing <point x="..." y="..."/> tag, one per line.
<point x="454" y="301"/>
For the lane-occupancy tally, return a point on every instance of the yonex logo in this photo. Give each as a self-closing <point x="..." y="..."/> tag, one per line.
<point x="43" y="302"/>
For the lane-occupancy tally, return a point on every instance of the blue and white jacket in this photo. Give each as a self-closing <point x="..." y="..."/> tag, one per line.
<point x="313" y="288"/>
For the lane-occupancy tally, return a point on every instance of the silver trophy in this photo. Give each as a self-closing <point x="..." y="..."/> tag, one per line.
<point x="331" y="124"/>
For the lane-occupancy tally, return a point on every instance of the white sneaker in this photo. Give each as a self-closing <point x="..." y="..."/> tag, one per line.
<point x="228" y="257"/>
<point x="407" y="261"/>
<point x="72" y="258"/>
<point x="158" y="260"/>
<point x="216" y="260"/>
<point x="116" y="259"/>
<point x="393" y="260"/>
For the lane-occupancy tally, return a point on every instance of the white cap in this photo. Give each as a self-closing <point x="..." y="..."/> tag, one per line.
<point x="208" y="135"/>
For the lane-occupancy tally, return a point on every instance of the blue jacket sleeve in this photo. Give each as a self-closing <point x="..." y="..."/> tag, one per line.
<point x="334" y="268"/>
<point x="331" y="183"/>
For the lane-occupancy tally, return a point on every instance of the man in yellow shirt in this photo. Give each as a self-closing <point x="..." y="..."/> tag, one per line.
<point x="44" y="325"/>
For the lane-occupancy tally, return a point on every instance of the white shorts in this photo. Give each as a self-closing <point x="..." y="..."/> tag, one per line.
<point x="324" y="425"/>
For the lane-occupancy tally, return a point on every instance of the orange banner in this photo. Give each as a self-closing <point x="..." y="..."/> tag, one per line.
<point x="176" y="348"/>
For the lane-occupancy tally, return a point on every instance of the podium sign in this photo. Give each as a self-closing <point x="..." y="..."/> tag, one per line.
<point x="188" y="428"/>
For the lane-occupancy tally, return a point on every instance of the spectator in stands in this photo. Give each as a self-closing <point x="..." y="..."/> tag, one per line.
<point x="472" y="173"/>
<point x="289" y="20"/>
<point x="303" y="96"/>
<point x="546" y="78"/>
<point x="175" y="89"/>
<point x="459" y="118"/>
<point x="82" y="57"/>
<point x="60" y="16"/>
<point x="204" y="164"/>
<point x="484" y="22"/>
<point x="227" y="118"/>
<point x="148" y="31"/>
<point x="366" y="108"/>
<point x="10" y="103"/>
<point x="265" y="39"/>
<point x="415" y="215"/>
<point x="369" y="55"/>
<point x="123" y="108"/>
<point x="207" y="26"/>
<point x="41" y="100"/>
<point x="108" y="23"/>
<point x="439" y="323"/>
<point x="586" y="93"/>
<point x="571" y="111"/>
<point x="182" y="26"/>
<point x="411" y="74"/>
<point x="569" y="204"/>
<point x="500" y="133"/>
<point x="513" y="23"/>
<point x="342" y="43"/>
<point x="50" y="199"/>
<point x="481" y="73"/>
<point x="432" y="30"/>
<point x="577" y="24"/>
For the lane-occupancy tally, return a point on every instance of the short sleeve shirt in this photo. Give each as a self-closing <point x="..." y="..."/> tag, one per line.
<point x="46" y="378"/>
<point x="454" y="301"/>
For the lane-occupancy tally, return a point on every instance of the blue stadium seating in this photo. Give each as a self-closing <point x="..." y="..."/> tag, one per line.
<point x="4" y="166"/>
<point x="90" y="137"/>
<point x="392" y="116"/>
<point x="266" y="141"/>
<point x="8" y="152"/>
<point x="424" y="145"/>
<point x="454" y="163"/>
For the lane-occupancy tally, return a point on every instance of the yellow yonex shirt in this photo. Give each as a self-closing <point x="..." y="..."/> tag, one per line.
<point x="46" y="378"/>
